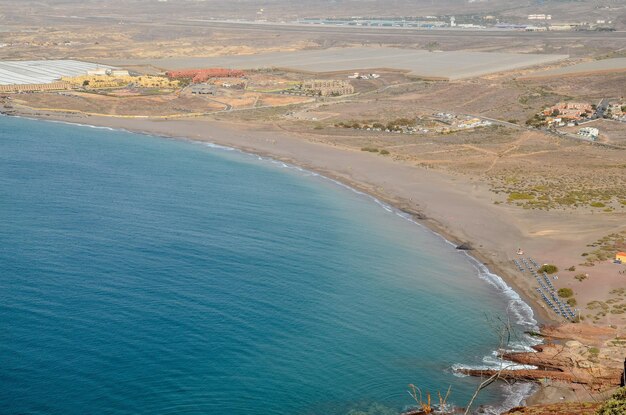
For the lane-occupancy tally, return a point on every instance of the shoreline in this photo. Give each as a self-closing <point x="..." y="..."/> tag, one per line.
<point x="481" y="259"/>
<point x="476" y="255"/>
<point x="475" y="258"/>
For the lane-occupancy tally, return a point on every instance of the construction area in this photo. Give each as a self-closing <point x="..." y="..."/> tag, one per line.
<point x="445" y="65"/>
<point x="323" y="87"/>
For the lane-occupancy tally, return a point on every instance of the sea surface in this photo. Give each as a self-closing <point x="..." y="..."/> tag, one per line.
<point x="145" y="275"/>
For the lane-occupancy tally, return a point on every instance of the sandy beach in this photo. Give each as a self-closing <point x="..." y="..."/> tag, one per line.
<point x="459" y="208"/>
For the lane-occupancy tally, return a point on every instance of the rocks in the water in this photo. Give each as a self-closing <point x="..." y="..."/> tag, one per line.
<point x="465" y="246"/>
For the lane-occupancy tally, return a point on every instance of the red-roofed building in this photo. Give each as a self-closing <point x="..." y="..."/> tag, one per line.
<point x="198" y="76"/>
<point x="570" y="110"/>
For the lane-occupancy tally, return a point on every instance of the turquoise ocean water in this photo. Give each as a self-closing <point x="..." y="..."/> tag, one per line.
<point x="143" y="275"/>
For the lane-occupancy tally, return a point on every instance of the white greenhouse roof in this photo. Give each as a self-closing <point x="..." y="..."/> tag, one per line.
<point x="42" y="71"/>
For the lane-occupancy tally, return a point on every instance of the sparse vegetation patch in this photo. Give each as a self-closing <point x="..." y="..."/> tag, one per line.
<point x="548" y="268"/>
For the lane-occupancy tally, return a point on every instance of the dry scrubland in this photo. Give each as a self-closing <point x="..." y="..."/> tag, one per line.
<point x="157" y="104"/>
<point x="144" y="29"/>
<point x="594" y="66"/>
<point x="160" y="101"/>
<point x="111" y="105"/>
<point x="525" y="168"/>
<point x="528" y="169"/>
<point x="611" y="132"/>
<point x="113" y="42"/>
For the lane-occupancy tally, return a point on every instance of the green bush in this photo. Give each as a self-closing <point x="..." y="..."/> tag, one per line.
<point x="370" y="149"/>
<point x="403" y="121"/>
<point x="548" y="268"/>
<point x="520" y="196"/>
<point x="384" y="152"/>
<point x="572" y="268"/>
<point x="597" y="204"/>
<point x="580" y="277"/>
<point x="572" y="302"/>
<point x="565" y="292"/>
<point x="616" y="405"/>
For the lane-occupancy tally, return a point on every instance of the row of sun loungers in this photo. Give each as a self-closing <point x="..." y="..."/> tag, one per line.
<point x="546" y="289"/>
<point x="545" y="276"/>
<point x="556" y="304"/>
<point x="523" y="264"/>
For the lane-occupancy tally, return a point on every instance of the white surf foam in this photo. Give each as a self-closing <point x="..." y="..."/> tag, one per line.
<point x="523" y="314"/>
<point x="217" y="146"/>
<point x="521" y="310"/>
<point x="516" y="394"/>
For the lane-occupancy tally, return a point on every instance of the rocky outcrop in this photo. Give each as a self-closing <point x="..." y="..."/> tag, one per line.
<point x="465" y="246"/>
<point x="570" y="408"/>
<point x="593" y="359"/>
<point x="526" y="374"/>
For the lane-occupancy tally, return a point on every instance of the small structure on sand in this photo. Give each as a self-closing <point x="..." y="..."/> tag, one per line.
<point x="590" y="133"/>
<point x="203" y="89"/>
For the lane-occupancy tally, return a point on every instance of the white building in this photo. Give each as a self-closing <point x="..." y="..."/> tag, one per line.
<point x="98" y="72"/>
<point x="589" y="132"/>
<point x="119" y="72"/>
<point x="471" y="26"/>
<point x="539" y="17"/>
<point x="107" y="72"/>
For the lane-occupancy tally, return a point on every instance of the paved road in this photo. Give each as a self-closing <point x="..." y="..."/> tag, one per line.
<point x="601" y="108"/>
